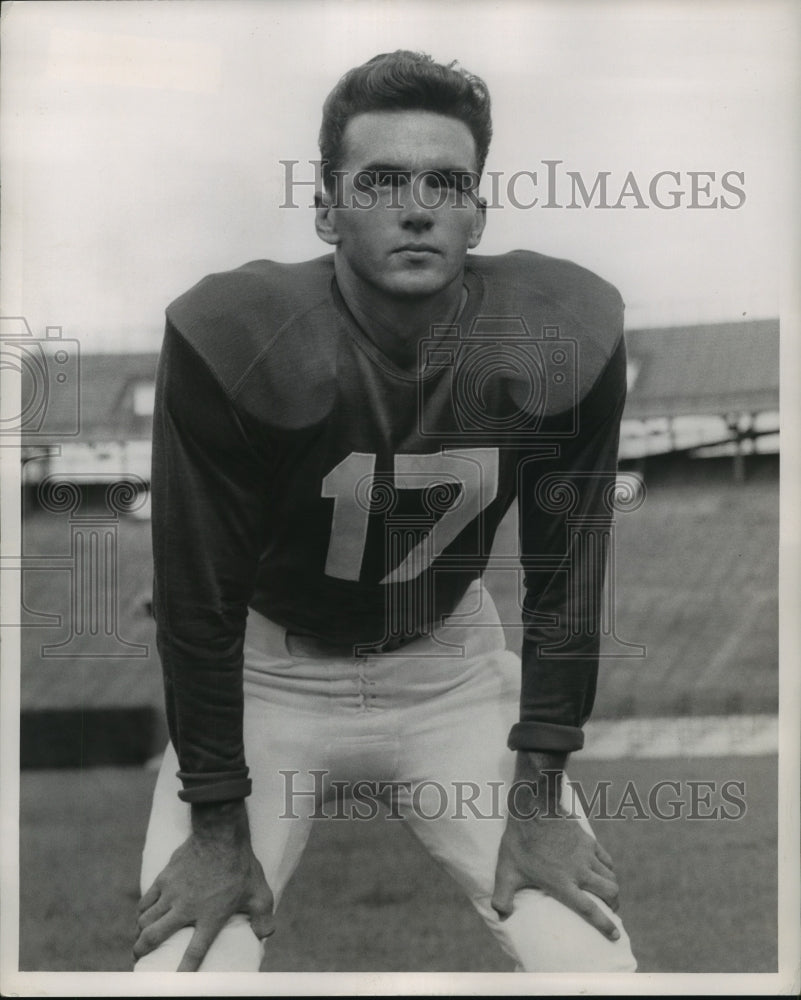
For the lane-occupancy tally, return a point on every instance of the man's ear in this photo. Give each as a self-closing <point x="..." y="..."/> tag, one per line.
<point x="324" y="220"/>
<point x="479" y="222"/>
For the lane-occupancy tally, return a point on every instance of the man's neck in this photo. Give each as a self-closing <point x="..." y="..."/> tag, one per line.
<point x="396" y="325"/>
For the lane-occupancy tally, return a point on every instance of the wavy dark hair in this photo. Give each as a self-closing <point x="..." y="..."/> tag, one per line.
<point x="404" y="81"/>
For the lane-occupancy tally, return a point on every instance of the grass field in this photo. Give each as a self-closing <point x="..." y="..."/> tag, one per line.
<point x="697" y="895"/>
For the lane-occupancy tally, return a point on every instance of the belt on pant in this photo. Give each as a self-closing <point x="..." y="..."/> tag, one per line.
<point x="301" y="644"/>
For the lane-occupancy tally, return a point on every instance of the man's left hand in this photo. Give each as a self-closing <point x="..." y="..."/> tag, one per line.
<point x="543" y="848"/>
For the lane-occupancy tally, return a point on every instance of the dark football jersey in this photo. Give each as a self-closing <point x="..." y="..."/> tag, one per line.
<point x="298" y="470"/>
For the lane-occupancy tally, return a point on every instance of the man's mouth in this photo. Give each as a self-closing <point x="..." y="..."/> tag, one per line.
<point x="417" y="248"/>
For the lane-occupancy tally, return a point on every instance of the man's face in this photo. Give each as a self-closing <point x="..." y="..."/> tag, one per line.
<point x="406" y="210"/>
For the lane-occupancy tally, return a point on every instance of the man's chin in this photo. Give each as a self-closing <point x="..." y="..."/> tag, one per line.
<point x="420" y="284"/>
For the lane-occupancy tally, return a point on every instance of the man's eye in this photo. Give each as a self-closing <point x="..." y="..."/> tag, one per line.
<point x="436" y="180"/>
<point x="452" y="180"/>
<point x="389" y="178"/>
<point x="461" y="180"/>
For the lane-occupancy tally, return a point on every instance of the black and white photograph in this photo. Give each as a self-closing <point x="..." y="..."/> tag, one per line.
<point x="400" y="497"/>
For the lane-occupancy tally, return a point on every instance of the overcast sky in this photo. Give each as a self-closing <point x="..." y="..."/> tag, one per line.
<point x="142" y="142"/>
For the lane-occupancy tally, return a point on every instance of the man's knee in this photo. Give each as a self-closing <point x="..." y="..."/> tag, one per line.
<point x="235" y="949"/>
<point x="543" y="935"/>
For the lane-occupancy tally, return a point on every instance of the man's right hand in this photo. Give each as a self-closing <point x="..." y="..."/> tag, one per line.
<point x="210" y="877"/>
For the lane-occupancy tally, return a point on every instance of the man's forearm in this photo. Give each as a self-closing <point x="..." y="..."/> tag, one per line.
<point x="204" y="699"/>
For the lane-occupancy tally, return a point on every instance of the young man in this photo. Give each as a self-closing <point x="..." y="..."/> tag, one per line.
<point x="335" y="444"/>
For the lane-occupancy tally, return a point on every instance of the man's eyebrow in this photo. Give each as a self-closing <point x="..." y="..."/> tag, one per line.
<point x="386" y="168"/>
<point x="395" y="168"/>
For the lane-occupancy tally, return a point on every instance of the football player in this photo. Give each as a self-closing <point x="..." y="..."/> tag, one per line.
<point x="335" y="445"/>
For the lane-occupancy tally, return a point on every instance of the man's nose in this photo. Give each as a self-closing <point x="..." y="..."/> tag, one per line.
<point x="415" y="215"/>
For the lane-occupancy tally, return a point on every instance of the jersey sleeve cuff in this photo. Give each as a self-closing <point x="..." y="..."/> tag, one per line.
<point x="211" y="787"/>
<point x="545" y="736"/>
